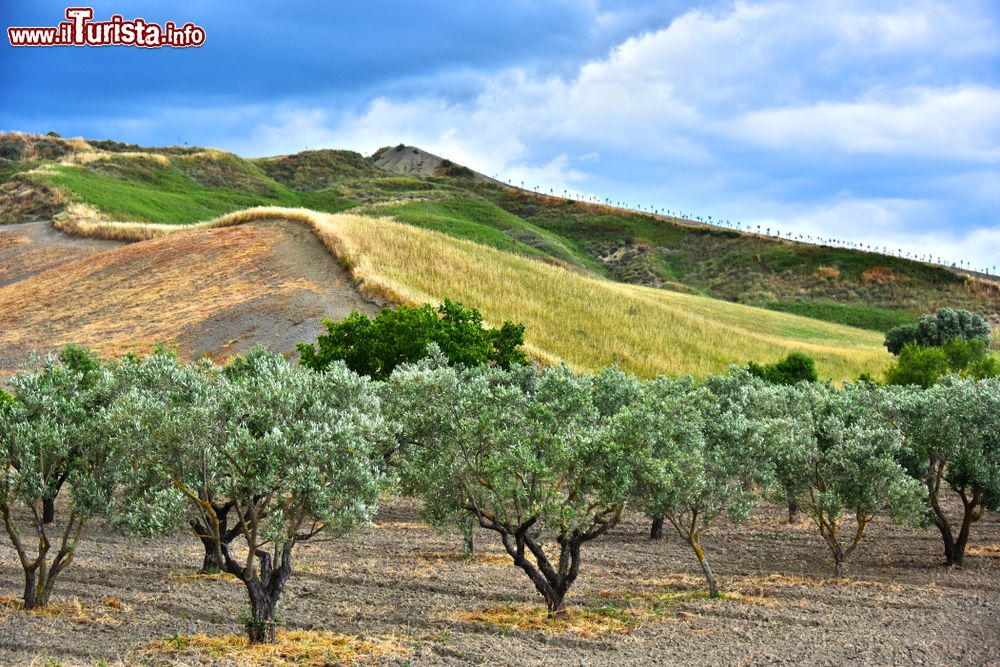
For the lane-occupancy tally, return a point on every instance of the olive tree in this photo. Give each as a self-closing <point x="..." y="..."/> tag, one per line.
<point x="524" y="453"/>
<point x="52" y="435"/>
<point x="179" y="389"/>
<point x="841" y="455"/>
<point x="952" y="443"/>
<point x="288" y="451"/>
<point x="695" y="450"/>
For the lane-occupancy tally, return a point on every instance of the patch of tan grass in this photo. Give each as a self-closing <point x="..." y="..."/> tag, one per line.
<point x="401" y="525"/>
<point x="91" y="156"/>
<point x="788" y="581"/>
<point x="828" y="273"/>
<point x="580" y="621"/>
<point x="296" y="647"/>
<point x="984" y="550"/>
<point x="587" y="322"/>
<point x="608" y="613"/>
<point x="106" y="613"/>
<point x="477" y="558"/>
<point x="206" y="576"/>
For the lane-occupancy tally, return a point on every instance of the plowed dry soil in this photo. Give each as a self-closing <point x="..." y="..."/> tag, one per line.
<point x="401" y="581"/>
<point x="211" y="293"/>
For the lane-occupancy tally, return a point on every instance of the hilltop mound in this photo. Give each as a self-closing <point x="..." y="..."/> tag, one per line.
<point x="214" y="292"/>
<point x="413" y="161"/>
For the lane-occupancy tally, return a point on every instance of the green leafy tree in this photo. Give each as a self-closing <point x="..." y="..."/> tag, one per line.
<point x="374" y="347"/>
<point x="926" y="366"/>
<point x="952" y="443"/>
<point x="524" y="453"/>
<point x="290" y="453"/>
<point x="179" y="389"/>
<point x="841" y="455"/>
<point x="920" y="366"/>
<point x="934" y="330"/>
<point x="695" y="450"/>
<point x="52" y="435"/>
<point x="796" y="367"/>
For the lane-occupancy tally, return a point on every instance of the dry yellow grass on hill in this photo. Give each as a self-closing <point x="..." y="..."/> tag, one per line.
<point x="587" y="322"/>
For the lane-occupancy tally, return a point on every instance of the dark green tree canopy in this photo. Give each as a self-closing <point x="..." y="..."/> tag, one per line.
<point x="374" y="347"/>
<point x="796" y="367"/>
<point x="935" y="330"/>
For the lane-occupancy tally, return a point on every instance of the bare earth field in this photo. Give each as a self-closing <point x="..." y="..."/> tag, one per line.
<point x="215" y="292"/>
<point x="402" y="585"/>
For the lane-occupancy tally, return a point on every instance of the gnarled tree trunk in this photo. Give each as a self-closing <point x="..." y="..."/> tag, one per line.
<point x="40" y="574"/>
<point x="551" y="580"/>
<point x="265" y="584"/>
<point x="210" y="563"/>
<point x="972" y="511"/>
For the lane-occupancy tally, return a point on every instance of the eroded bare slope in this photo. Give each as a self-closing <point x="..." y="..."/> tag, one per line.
<point x="213" y="292"/>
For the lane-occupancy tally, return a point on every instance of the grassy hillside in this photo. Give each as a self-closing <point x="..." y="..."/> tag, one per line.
<point x="588" y="322"/>
<point x="183" y="185"/>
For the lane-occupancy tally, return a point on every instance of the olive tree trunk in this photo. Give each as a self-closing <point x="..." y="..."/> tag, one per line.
<point x="972" y="511"/>
<point x="264" y="584"/>
<point x="656" y="529"/>
<point x="551" y="579"/>
<point x="794" y="512"/>
<point x="40" y="573"/>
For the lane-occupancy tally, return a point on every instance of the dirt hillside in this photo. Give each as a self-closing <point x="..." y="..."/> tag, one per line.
<point x="211" y="292"/>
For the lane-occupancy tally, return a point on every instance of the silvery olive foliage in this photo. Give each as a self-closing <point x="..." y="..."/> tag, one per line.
<point x="695" y="450"/>
<point x="952" y="445"/>
<point x="523" y="451"/>
<point x="53" y="434"/>
<point x="291" y="452"/>
<point x="838" y="453"/>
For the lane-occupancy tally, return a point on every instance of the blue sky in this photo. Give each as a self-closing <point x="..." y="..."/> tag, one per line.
<point x="877" y="121"/>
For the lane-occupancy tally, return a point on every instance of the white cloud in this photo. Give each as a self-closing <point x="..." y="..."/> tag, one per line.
<point x="722" y="91"/>
<point x="957" y="123"/>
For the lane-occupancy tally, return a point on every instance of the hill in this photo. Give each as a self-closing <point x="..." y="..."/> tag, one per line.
<point x="42" y="176"/>
<point x="207" y="292"/>
<point x="589" y="322"/>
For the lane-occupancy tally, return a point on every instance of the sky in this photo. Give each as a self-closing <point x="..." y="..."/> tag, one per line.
<point x="876" y="121"/>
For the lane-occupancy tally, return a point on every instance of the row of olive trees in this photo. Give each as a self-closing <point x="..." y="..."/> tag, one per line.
<point x="258" y="456"/>
<point x="258" y="450"/>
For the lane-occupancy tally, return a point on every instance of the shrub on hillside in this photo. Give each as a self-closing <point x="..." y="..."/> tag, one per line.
<point x="375" y="347"/>
<point x="926" y="366"/>
<point x="796" y="367"/>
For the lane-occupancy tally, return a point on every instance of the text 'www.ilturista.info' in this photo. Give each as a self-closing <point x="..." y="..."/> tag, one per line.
<point x="81" y="30"/>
